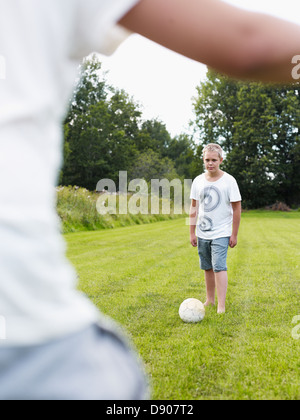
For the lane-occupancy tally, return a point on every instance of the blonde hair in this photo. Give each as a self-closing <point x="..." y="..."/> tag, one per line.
<point x="212" y="147"/>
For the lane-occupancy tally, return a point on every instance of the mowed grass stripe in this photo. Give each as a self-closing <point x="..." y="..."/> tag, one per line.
<point x="132" y="265"/>
<point x="140" y="275"/>
<point x="264" y="292"/>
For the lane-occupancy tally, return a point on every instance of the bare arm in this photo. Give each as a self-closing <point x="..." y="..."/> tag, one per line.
<point x="237" y="210"/>
<point x="193" y="222"/>
<point x="232" y="41"/>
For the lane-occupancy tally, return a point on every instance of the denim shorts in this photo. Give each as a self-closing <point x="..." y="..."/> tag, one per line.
<point x="213" y="254"/>
<point x="93" y="364"/>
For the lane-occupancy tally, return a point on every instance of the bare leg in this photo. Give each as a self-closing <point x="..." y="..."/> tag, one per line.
<point x="210" y="287"/>
<point x="221" y="284"/>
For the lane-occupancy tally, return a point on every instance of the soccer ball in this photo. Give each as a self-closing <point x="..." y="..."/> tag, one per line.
<point x="192" y="311"/>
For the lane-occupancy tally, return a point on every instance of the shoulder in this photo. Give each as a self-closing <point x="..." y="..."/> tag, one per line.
<point x="229" y="178"/>
<point x="197" y="186"/>
<point x="199" y="182"/>
<point x="199" y="178"/>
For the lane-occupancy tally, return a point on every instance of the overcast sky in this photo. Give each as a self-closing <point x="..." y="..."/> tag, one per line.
<point x="163" y="82"/>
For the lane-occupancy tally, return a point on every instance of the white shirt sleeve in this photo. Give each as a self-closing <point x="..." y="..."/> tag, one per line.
<point x="234" y="193"/>
<point x="194" y="190"/>
<point x="96" y="28"/>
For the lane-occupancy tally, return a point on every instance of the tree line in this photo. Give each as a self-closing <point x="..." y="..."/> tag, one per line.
<point x="105" y="134"/>
<point x="257" y="126"/>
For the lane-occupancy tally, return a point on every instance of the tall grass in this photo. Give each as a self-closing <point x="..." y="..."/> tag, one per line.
<point x="77" y="209"/>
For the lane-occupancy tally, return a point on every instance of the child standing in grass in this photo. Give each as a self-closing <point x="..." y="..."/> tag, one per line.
<point x="55" y="347"/>
<point x="214" y="222"/>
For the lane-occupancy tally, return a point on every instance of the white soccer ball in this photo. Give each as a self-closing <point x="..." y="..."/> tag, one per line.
<point x="192" y="311"/>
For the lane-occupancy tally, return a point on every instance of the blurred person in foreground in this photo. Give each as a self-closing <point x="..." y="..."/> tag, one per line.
<point x="57" y="345"/>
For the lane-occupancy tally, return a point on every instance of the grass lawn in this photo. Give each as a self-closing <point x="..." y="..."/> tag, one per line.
<point x="140" y="275"/>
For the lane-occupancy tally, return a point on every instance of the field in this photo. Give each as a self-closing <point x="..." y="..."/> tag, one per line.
<point x="139" y="275"/>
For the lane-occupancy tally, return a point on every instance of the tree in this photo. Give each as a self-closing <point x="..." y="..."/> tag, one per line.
<point x="149" y="165"/>
<point x="91" y="88"/>
<point x="258" y="127"/>
<point x="286" y="145"/>
<point x="155" y="136"/>
<point x="124" y="119"/>
<point x="105" y="134"/>
<point x="183" y="152"/>
<point x="100" y="130"/>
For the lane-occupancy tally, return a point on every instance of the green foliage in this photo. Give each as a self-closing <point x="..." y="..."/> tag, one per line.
<point x="149" y="165"/>
<point x="99" y="131"/>
<point x="258" y="127"/>
<point x="77" y="209"/>
<point x="105" y="134"/>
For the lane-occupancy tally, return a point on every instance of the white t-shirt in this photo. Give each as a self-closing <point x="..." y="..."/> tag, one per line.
<point x="215" y="215"/>
<point x="41" y="45"/>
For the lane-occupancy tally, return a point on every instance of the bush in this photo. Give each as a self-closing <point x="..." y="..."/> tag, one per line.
<point x="279" y="206"/>
<point x="77" y="210"/>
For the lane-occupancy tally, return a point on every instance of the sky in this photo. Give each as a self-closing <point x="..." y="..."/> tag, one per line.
<point x="162" y="82"/>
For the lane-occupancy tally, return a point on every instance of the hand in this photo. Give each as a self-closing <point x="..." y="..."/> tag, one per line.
<point x="233" y="241"/>
<point x="194" y="240"/>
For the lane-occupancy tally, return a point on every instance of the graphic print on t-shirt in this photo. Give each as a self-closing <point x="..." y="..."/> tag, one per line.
<point x="210" y="199"/>
<point x="214" y="201"/>
<point x="205" y="224"/>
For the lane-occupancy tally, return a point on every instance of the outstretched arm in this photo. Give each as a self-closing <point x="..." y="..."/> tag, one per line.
<point x="242" y="44"/>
